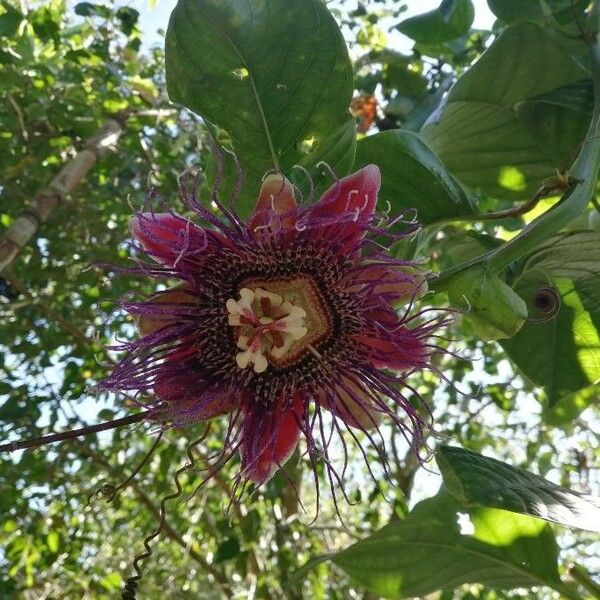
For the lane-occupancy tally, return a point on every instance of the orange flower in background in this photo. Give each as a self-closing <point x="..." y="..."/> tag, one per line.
<point x="364" y="108"/>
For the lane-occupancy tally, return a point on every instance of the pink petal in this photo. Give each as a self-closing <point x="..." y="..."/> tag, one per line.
<point x="404" y="349"/>
<point x="269" y="438"/>
<point x="394" y="286"/>
<point x="152" y="322"/>
<point x="168" y="238"/>
<point x="184" y="399"/>
<point x="354" y="195"/>
<point x="353" y="404"/>
<point x="276" y="207"/>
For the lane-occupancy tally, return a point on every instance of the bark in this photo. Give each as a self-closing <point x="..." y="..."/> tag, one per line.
<point x="68" y="178"/>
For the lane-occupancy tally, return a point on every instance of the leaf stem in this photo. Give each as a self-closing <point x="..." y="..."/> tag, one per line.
<point x="583" y="173"/>
<point x="582" y="577"/>
<point x="73" y="433"/>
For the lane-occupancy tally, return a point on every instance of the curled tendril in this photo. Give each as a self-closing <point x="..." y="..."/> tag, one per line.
<point x="129" y="591"/>
<point x="547" y="302"/>
<point x="109" y="491"/>
<point x="309" y="179"/>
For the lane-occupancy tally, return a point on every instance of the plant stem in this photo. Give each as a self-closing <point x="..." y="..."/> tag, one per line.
<point x="583" y="173"/>
<point x="582" y="577"/>
<point x="74" y="433"/>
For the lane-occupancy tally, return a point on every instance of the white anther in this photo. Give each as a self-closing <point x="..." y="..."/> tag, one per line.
<point x="243" y="359"/>
<point x="242" y="342"/>
<point x="265" y="320"/>
<point x="268" y="329"/>
<point x="296" y="332"/>
<point x="237" y="308"/>
<point x="260" y="363"/>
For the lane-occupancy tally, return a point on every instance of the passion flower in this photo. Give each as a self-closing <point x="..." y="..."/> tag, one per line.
<point x="279" y="319"/>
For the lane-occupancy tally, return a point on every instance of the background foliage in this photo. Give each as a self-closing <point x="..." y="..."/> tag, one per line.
<point x="455" y="140"/>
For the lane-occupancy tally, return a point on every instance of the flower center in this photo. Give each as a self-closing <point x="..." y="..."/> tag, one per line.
<point x="276" y="322"/>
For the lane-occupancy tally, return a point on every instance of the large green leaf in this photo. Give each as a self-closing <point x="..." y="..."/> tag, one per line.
<point x="561" y="352"/>
<point x="274" y="74"/>
<point x="477" y="480"/>
<point x="451" y="20"/>
<point x="413" y="176"/>
<point x="510" y="11"/>
<point x="559" y="119"/>
<point x="427" y="552"/>
<point x="459" y="245"/>
<point x="479" y="133"/>
<point x="568" y="408"/>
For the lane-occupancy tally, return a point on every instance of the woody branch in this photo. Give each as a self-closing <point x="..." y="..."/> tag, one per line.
<point x="29" y="220"/>
<point x="68" y="178"/>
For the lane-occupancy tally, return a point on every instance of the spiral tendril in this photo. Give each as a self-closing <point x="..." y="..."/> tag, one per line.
<point x="546" y="301"/>
<point x="129" y="592"/>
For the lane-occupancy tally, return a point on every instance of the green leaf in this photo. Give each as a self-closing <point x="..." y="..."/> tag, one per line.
<point x="451" y="20"/>
<point x="113" y="581"/>
<point x="569" y="407"/>
<point x="477" y="480"/>
<point x="106" y="414"/>
<point x="510" y="11"/>
<point x="274" y="74"/>
<point x="128" y="17"/>
<point x="427" y="552"/>
<point x="561" y="352"/>
<point x="479" y="133"/>
<point x="559" y="119"/>
<point x="399" y="73"/>
<point x="46" y="25"/>
<point x="413" y="176"/>
<point x="459" y="245"/>
<point x="10" y="19"/>
<point x="89" y="9"/>
<point x="227" y="550"/>
<point x="53" y="541"/>
<point x="494" y="310"/>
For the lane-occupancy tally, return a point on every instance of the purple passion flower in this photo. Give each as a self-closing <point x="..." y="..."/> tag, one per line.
<point x="277" y="320"/>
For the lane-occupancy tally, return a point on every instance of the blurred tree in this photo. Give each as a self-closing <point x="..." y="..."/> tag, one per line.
<point x="460" y="157"/>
